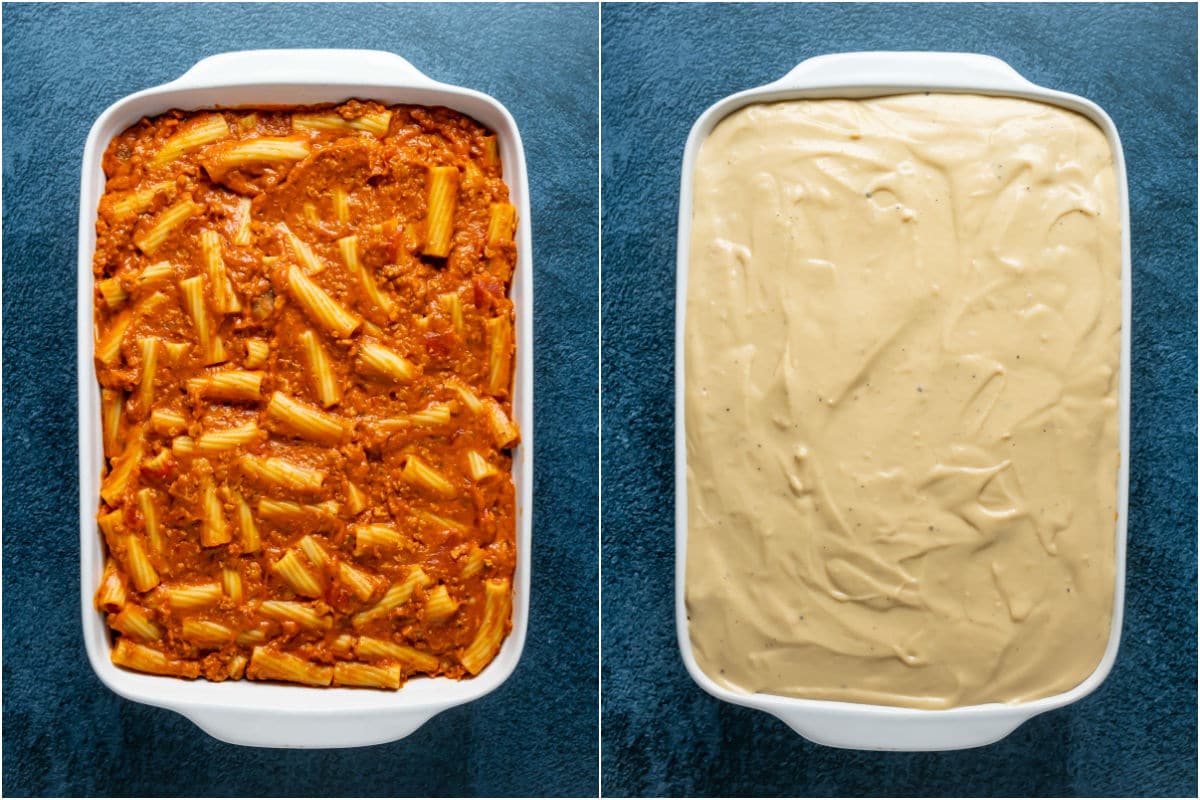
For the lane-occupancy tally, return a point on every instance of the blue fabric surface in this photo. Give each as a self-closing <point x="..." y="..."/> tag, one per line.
<point x="64" y="733"/>
<point x="662" y="66"/>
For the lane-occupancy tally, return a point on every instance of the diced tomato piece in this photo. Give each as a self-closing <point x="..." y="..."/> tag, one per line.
<point x="439" y="344"/>
<point x="487" y="292"/>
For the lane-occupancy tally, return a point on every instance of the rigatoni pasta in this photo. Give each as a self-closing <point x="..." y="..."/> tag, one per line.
<point x="304" y="345"/>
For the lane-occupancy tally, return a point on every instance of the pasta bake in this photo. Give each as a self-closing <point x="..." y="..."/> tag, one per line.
<point x="304" y="344"/>
<point x="903" y="341"/>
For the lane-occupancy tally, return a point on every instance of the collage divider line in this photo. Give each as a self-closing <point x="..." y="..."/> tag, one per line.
<point x="599" y="398"/>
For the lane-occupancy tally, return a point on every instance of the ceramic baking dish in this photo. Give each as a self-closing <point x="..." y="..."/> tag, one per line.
<point x="264" y="714"/>
<point x="854" y="75"/>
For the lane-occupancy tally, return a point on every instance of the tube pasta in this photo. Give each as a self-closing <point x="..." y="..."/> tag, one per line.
<point x="353" y="673"/>
<point x="247" y="527"/>
<point x="356" y="499"/>
<point x="113" y="292"/>
<point x="440" y="522"/>
<point x="375" y="122"/>
<point x="267" y="664"/>
<point x="468" y="397"/>
<point x="341" y="205"/>
<point x="146" y="659"/>
<point x="206" y="633"/>
<point x="439" y="605"/>
<point x="141" y="571"/>
<point x="231" y="584"/>
<point x="150" y="520"/>
<point x="500" y="349"/>
<point x="108" y="346"/>
<point x="303" y="614"/>
<point x="214" y="530"/>
<point x="264" y="149"/>
<point x="134" y="622"/>
<point x="496" y="613"/>
<point x="282" y="473"/>
<point x="112" y="525"/>
<point x="243" y="235"/>
<point x="167" y="422"/>
<point x="418" y="473"/>
<point x="257" y="352"/>
<point x="308" y="259"/>
<point x="433" y="414"/>
<point x="191" y="137"/>
<point x="112" y="406"/>
<point x="189" y="597"/>
<point x="112" y="594"/>
<point x="362" y="583"/>
<point x="297" y="574"/>
<point x="396" y="596"/>
<point x="504" y="433"/>
<point x="214" y="442"/>
<point x="452" y="304"/>
<point x="491" y="151"/>
<point x="324" y="384"/>
<point x="155" y="275"/>
<point x="410" y="657"/>
<point x="303" y="420"/>
<point x="235" y="668"/>
<point x="250" y="637"/>
<point x="502" y="219"/>
<point x="225" y="299"/>
<point x="290" y="511"/>
<point x="478" y="467"/>
<point x="375" y="359"/>
<point x="320" y="307"/>
<point x="313" y="551"/>
<point x="166" y="223"/>
<point x="130" y="204"/>
<point x="442" y="200"/>
<point x="149" y="348"/>
<point x="113" y="487"/>
<point x="473" y="563"/>
<point x="368" y="538"/>
<point x="230" y="385"/>
<point x="176" y="350"/>
<point x="192" y="291"/>
<point x="348" y="246"/>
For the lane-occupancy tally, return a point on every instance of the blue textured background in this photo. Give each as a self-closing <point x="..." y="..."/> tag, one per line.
<point x="64" y="733"/>
<point x="661" y="67"/>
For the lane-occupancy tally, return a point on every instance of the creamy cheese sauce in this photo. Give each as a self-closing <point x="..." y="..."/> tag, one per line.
<point x="902" y="350"/>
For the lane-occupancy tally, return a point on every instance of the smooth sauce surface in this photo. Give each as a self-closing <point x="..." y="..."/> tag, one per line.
<point x="902" y="352"/>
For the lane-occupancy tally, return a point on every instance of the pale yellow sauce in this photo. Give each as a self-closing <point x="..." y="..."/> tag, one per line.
<point x="902" y="350"/>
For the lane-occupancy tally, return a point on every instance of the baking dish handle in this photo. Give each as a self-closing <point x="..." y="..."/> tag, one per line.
<point x="902" y="729"/>
<point x="302" y="66"/>
<point x="906" y="69"/>
<point x="301" y="728"/>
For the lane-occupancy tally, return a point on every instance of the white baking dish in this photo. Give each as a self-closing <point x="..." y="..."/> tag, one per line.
<point x="245" y="712"/>
<point x="853" y="75"/>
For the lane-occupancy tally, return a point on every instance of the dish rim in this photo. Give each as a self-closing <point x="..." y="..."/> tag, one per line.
<point x="874" y="74"/>
<point x="270" y="714"/>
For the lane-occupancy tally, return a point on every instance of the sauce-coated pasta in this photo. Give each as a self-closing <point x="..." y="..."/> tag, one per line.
<point x="304" y="344"/>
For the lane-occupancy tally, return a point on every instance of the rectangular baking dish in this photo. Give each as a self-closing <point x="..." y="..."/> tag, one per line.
<point x="856" y="75"/>
<point x="263" y="714"/>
